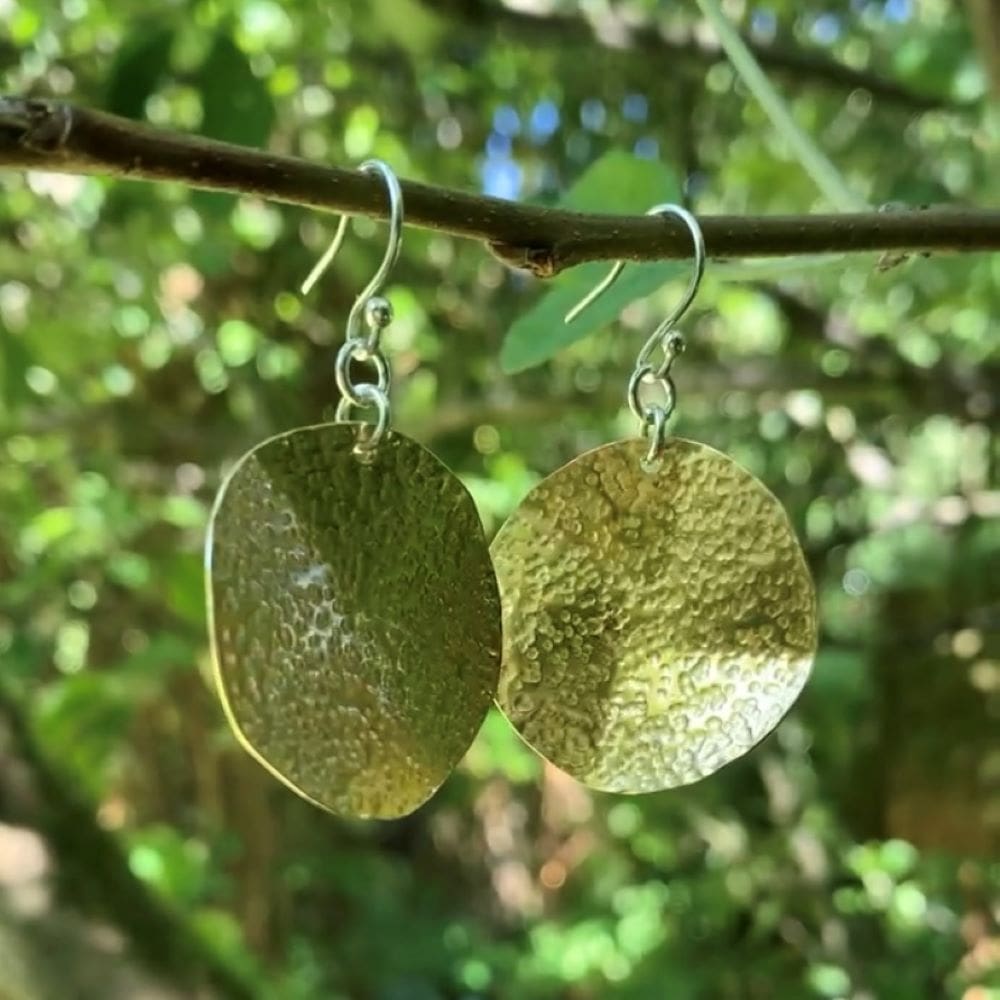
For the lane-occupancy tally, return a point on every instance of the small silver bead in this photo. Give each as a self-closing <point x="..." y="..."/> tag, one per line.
<point x="675" y="344"/>
<point x="378" y="312"/>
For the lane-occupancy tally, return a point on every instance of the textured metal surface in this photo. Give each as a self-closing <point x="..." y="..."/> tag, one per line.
<point x="656" y="624"/>
<point x="354" y="615"/>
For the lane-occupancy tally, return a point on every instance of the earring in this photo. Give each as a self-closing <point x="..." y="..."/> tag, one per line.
<point x="353" y="609"/>
<point x="658" y="615"/>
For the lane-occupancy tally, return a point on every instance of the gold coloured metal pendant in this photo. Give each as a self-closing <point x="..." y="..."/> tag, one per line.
<point x="657" y="624"/>
<point x="354" y="617"/>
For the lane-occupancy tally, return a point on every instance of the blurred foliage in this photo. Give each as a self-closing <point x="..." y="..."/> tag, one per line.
<point x="150" y="334"/>
<point x="617" y="182"/>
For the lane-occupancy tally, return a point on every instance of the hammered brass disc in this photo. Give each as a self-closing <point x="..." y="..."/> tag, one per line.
<point x="354" y="616"/>
<point x="656" y="624"/>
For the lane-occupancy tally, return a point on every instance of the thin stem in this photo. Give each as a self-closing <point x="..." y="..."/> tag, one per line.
<point x="825" y="175"/>
<point x="536" y="24"/>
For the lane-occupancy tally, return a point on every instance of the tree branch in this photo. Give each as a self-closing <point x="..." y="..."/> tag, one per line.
<point x="811" y="66"/>
<point x="54" y="136"/>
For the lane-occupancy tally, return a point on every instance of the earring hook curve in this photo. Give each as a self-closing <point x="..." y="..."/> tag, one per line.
<point x="395" y="241"/>
<point x="678" y="311"/>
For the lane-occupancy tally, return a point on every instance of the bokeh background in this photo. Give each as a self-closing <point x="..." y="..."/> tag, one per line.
<point x="149" y="334"/>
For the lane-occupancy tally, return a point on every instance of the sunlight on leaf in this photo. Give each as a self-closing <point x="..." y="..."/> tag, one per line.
<point x="617" y="183"/>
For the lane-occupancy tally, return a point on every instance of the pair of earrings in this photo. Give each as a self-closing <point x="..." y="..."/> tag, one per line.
<point x="643" y="618"/>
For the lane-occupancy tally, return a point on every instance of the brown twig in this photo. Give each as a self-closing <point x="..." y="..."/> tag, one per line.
<point x="54" y="136"/>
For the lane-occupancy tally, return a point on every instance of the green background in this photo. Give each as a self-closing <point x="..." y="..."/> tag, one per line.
<point x="149" y="335"/>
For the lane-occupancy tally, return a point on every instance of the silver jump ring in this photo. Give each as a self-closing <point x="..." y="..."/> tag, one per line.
<point x="646" y="375"/>
<point x="655" y="429"/>
<point x="369" y="395"/>
<point x="356" y="350"/>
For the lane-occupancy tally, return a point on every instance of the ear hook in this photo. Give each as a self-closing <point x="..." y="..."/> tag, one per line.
<point x="657" y="336"/>
<point x="392" y="249"/>
<point x="377" y="314"/>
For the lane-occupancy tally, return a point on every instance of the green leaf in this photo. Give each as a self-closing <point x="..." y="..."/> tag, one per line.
<point x="541" y="332"/>
<point x="177" y="866"/>
<point x="139" y="65"/>
<point x="184" y="585"/>
<point x="85" y="715"/>
<point x="15" y="360"/>
<point x="237" y="342"/>
<point x="773" y="268"/>
<point x="236" y="107"/>
<point x="619" y="184"/>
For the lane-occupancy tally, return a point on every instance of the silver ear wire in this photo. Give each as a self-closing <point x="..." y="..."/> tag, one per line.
<point x="653" y="416"/>
<point x="370" y="307"/>
<point x="327" y="259"/>
<point x="657" y="336"/>
<point x="395" y="234"/>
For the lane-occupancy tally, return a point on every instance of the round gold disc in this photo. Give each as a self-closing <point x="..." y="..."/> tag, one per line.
<point x="354" y="616"/>
<point x="656" y="624"/>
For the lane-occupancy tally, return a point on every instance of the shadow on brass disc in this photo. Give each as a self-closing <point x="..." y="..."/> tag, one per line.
<point x="354" y="616"/>
<point x="656" y="624"/>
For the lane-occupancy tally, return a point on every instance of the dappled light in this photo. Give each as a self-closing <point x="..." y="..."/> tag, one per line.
<point x="815" y="812"/>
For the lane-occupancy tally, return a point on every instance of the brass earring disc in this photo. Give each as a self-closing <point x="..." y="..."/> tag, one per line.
<point x="657" y="624"/>
<point x="354" y="615"/>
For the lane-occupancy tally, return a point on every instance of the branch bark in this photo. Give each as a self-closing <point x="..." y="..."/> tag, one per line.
<point x="54" y="136"/>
